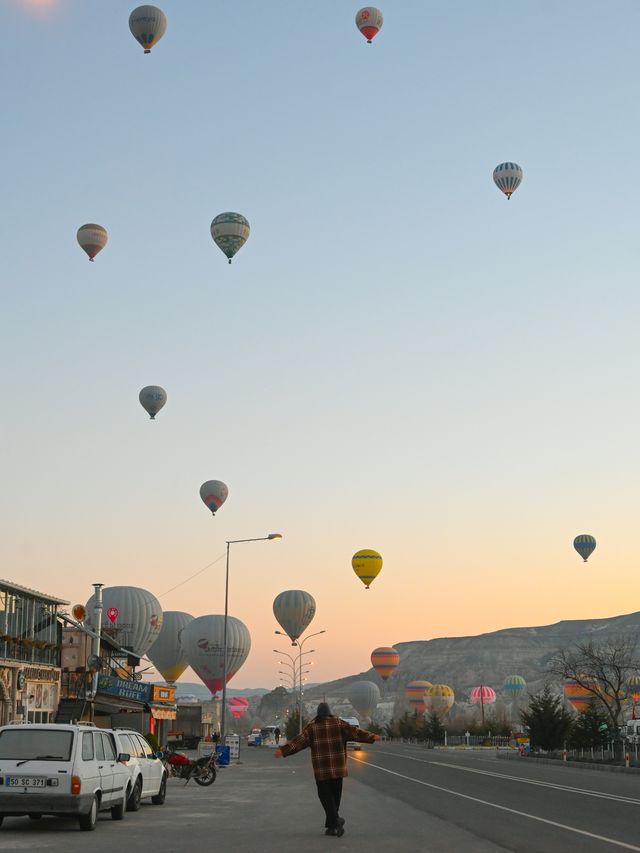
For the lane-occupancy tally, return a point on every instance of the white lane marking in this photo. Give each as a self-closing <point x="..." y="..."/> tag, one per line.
<point x="618" y="798"/>
<point x="491" y="805"/>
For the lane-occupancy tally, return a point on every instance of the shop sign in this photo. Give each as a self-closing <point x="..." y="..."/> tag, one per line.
<point x="139" y="691"/>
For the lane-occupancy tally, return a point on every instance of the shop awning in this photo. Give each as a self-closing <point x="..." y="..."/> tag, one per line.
<point x="162" y="713"/>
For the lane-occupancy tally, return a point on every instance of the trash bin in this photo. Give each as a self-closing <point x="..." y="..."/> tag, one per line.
<point x="258" y="740"/>
<point x="224" y="755"/>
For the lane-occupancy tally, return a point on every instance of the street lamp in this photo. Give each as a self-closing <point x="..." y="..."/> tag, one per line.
<point x="300" y="643"/>
<point x="231" y="542"/>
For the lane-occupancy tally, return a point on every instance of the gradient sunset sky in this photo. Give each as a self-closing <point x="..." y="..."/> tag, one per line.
<point x="398" y="359"/>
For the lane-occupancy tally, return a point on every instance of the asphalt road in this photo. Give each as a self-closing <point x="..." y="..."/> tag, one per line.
<point x="397" y="798"/>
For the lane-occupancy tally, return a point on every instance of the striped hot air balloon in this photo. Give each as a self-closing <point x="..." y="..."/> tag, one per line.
<point x="213" y="494"/>
<point x="366" y="564"/>
<point x="578" y="695"/>
<point x="230" y="231"/>
<point x="483" y="695"/>
<point x="415" y="694"/>
<point x="585" y="545"/>
<point x="385" y="660"/>
<point x="507" y="177"/>
<point x="439" y="699"/>
<point x="92" y="238"/>
<point x="514" y="686"/>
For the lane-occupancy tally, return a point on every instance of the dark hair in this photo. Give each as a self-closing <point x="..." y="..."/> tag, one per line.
<point x="323" y="710"/>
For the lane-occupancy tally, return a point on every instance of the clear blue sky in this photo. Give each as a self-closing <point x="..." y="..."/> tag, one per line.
<point x="398" y="358"/>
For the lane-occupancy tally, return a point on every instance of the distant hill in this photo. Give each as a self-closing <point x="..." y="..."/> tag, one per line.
<point x="188" y="688"/>
<point x="464" y="662"/>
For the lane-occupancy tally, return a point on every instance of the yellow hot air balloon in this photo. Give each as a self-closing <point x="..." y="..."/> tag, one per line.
<point x="367" y="564"/>
<point x="439" y="699"/>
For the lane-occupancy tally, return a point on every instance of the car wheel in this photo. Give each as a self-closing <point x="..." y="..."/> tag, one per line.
<point x="88" y="821"/>
<point x="35" y="816"/>
<point x="160" y="797"/>
<point x="117" y="812"/>
<point x="135" y="797"/>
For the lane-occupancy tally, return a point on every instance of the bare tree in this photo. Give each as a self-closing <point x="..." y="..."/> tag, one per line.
<point x="602" y="669"/>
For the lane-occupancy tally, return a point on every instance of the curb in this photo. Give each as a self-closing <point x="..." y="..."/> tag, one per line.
<point x="574" y="765"/>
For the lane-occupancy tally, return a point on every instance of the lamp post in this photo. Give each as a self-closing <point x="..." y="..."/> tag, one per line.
<point x="230" y="542"/>
<point x="300" y="643"/>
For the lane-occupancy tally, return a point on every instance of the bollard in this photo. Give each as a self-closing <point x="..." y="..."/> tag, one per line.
<point x="627" y="759"/>
<point x="565" y="755"/>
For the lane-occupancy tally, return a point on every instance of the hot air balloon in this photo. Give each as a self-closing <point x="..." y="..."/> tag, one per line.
<point x="439" y="699"/>
<point x="514" y="686"/>
<point x="214" y="493"/>
<point x="483" y="695"/>
<point x="364" y="696"/>
<point x="507" y="177"/>
<point x="294" y="609"/>
<point x="385" y="660"/>
<point x="238" y="706"/>
<point x="203" y="644"/>
<point x="415" y="693"/>
<point x="147" y="24"/>
<point x="367" y="564"/>
<point x="230" y="231"/>
<point x="369" y="21"/>
<point x="152" y="399"/>
<point x="585" y="545"/>
<point x="579" y="696"/>
<point x="92" y="238"/>
<point x="166" y="653"/>
<point x="138" y="617"/>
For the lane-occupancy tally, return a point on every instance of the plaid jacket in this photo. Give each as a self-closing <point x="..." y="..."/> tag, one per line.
<point x="327" y="738"/>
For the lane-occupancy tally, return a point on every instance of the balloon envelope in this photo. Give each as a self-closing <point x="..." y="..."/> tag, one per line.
<point x="385" y="660"/>
<point x="230" y="231"/>
<point x="214" y="493"/>
<point x="92" y="238"/>
<point x="139" y="617"/>
<point x="152" y="399"/>
<point x="366" y="564"/>
<point x="514" y="686"/>
<point x="203" y="644"/>
<point x="440" y="699"/>
<point x="579" y="696"/>
<point x="364" y="696"/>
<point x="585" y="545"/>
<point x="147" y="24"/>
<point x="166" y="653"/>
<point x="369" y="21"/>
<point x="415" y="693"/>
<point x="294" y="609"/>
<point x="507" y="177"/>
<point x="483" y="695"/>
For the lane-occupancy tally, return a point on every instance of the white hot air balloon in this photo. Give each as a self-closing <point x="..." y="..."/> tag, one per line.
<point x="294" y="609"/>
<point x="92" y="238"/>
<point x="230" y="231"/>
<point x="132" y="616"/>
<point x="203" y="643"/>
<point x="364" y="696"/>
<point x="214" y="493"/>
<point x="147" y="24"/>
<point x="507" y="177"/>
<point x="369" y="21"/>
<point x="152" y="399"/>
<point x="167" y="654"/>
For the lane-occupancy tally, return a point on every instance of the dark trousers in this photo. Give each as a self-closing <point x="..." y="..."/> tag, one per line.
<point x="330" y="794"/>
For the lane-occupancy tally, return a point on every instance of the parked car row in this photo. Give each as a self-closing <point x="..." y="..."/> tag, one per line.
<point x="76" y="770"/>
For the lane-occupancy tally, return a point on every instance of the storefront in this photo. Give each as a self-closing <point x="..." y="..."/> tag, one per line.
<point x="135" y="704"/>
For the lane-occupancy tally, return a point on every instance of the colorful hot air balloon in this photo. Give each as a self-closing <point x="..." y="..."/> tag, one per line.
<point x="579" y="696"/>
<point x="507" y="177"/>
<point x="585" y="545"/>
<point x="203" y="644"/>
<point x="138" y="617"/>
<point x="483" y="695"/>
<point x="294" y="609"/>
<point x="230" y="231"/>
<point x="369" y="21"/>
<point x="415" y="693"/>
<point x="92" y="238"/>
<point x="214" y="493"/>
<point x="385" y="660"/>
<point x="364" y="696"/>
<point x="147" y="24"/>
<point x="152" y="399"/>
<point x="238" y="706"/>
<point x="514" y="686"/>
<point x="367" y="564"/>
<point x="166" y="653"/>
<point x="440" y="699"/>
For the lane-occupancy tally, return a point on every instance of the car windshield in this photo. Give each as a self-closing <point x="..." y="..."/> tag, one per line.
<point x="29" y="743"/>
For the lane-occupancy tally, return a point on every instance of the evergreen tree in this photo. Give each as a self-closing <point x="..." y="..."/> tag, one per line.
<point x="549" y="724"/>
<point x="591" y="728"/>
<point x="434" y="729"/>
<point x="292" y="726"/>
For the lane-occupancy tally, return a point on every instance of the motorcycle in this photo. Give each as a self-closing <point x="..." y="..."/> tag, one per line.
<point x="202" y="770"/>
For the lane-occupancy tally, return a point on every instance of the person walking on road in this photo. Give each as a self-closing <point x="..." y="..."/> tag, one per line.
<point x="327" y="738"/>
<point x="276" y="734"/>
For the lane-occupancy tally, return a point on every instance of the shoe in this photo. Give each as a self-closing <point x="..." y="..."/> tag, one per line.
<point x="340" y="821"/>
<point x="332" y="831"/>
<point x="340" y="830"/>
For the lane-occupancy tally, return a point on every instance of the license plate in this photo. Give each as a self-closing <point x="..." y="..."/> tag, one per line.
<point x="25" y="781"/>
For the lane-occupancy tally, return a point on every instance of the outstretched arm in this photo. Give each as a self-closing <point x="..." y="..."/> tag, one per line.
<point x="295" y="745"/>
<point x="360" y="735"/>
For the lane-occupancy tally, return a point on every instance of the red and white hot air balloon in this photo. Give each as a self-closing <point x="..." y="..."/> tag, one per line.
<point x="214" y="493"/>
<point x="369" y="21"/>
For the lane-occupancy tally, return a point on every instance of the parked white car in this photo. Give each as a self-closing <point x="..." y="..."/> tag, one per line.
<point x="64" y="770"/>
<point x="353" y="744"/>
<point x="147" y="776"/>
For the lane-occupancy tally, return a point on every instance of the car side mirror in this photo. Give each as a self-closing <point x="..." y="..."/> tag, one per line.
<point x="159" y="754"/>
<point x="123" y="757"/>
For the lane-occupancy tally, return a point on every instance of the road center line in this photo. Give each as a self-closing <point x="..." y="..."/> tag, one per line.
<point x="574" y="829"/>
<point x="618" y="798"/>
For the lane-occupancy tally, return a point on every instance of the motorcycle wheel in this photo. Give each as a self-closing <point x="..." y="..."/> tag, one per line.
<point x="207" y="776"/>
